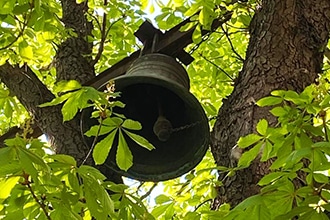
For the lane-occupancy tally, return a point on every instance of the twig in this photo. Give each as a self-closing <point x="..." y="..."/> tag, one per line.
<point x="104" y="34"/>
<point x="231" y="44"/>
<point x="323" y="114"/>
<point x="139" y="187"/>
<point x="218" y="67"/>
<point x="94" y="142"/>
<point x="197" y="207"/>
<point x="97" y="21"/>
<point x="41" y="204"/>
<point x="149" y="191"/>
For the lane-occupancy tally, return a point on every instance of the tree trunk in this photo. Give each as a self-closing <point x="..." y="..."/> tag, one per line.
<point x="287" y="43"/>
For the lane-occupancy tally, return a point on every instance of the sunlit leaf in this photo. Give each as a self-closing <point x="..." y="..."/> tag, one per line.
<point x="279" y="111"/>
<point x="269" y="178"/>
<point x="102" y="148"/>
<point x="249" y="156"/>
<point x="162" y="199"/>
<point x="140" y="140"/>
<point x="7" y="6"/>
<point x="64" y="159"/>
<point x="25" y="50"/>
<point x="269" y="101"/>
<point x="66" y="86"/>
<point x="248" y="140"/>
<point x="131" y="124"/>
<point x="56" y="100"/>
<point x="262" y="126"/>
<point x="6" y="185"/>
<point x="197" y="35"/>
<point x="124" y="157"/>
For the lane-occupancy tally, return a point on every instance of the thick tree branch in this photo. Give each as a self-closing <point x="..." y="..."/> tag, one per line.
<point x="74" y="56"/>
<point x="285" y="52"/>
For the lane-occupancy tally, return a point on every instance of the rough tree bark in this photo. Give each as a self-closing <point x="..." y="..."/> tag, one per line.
<point x="72" y="61"/>
<point x="287" y="42"/>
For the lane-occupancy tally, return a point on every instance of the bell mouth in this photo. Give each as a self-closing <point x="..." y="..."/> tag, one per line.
<point x="183" y="150"/>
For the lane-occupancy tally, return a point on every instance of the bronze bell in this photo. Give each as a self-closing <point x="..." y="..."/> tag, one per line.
<point x="155" y="90"/>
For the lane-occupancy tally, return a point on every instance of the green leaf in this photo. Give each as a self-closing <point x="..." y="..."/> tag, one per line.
<point x="269" y="101"/>
<point x="8" y="109"/>
<point x="262" y="126"/>
<point x="113" y="122"/>
<point x="74" y="182"/>
<point x="140" y="140"/>
<point x="17" y="141"/>
<point x="66" y="86"/>
<point x="162" y="199"/>
<point x="97" y="198"/>
<point x="248" y="140"/>
<point x="31" y="210"/>
<point x="313" y="215"/>
<point x="63" y="158"/>
<point x="62" y="211"/>
<point x="70" y="107"/>
<point x="278" y="111"/>
<point x="32" y="158"/>
<point x="278" y="93"/>
<point x="6" y="7"/>
<point x="117" y="188"/>
<point x="323" y="146"/>
<point x="192" y="10"/>
<point x="124" y="157"/>
<point x="20" y="9"/>
<point x="320" y="178"/>
<point x="25" y="50"/>
<point x="206" y="17"/>
<point x="197" y="35"/>
<point x="56" y="100"/>
<point x="7" y="155"/>
<point x="90" y="172"/>
<point x="296" y="155"/>
<point x="267" y="151"/>
<point x="4" y="93"/>
<point x="260" y="212"/>
<point x="160" y="210"/>
<point x="118" y="104"/>
<point x="102" y="148"/>
<point x="169" y="214"/>
<point x="292" y="96"/>
<point x="269" y="178"/>
<point x="249" y="156"/>
<point x="131" y="124"/>
<point x="6" y="186"/>
<point x="97" y="131"/>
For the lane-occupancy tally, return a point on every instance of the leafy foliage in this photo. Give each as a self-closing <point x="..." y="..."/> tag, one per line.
<point x="36" y="184"/>
<point x="299" y="144"/>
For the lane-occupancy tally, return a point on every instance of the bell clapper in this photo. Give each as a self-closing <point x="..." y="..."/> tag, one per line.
<point x="162" y="127"/>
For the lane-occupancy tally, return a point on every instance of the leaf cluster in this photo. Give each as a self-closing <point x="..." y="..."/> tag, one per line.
<point x="298" y="146"/>
<point x="36" y="185"/>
